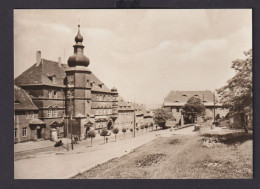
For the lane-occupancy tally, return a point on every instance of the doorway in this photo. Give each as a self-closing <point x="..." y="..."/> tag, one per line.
<point x="109" y="125"/>
<point x="39" y="132"/>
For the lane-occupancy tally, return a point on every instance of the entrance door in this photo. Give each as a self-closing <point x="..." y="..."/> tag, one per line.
<point x="109" y="125"/>
<point x="39" y="132"/>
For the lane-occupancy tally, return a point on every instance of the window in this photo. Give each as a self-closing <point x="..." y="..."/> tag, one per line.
<point x="55" y="94"/>
<point x="49" y="94"/>
<point x="32" y="114"/>
<point x="27" y="114"/>
<point x="55" y="112"/>
<point x="24" y="132"/>
<point x="54" y="79"/>
<point x="15" y="133"/>
<point x="49" y="112"/>
<point x="108" y="98"/>
<point x="177" y="110"/>
<point x="87" y="82"/>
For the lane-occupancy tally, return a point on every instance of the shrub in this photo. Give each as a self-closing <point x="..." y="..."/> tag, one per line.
<point x="115" y="131"/>
<point x="104" y="133"/>
<point x="91" y="134"/>
<point x="124" y="130"/>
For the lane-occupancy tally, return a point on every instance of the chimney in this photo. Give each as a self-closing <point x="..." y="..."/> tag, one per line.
<point x="59" y="61"/>
<point x="38" y="58"/>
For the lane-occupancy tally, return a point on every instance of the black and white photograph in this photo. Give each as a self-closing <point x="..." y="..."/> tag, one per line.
<point x="133" y="93"/>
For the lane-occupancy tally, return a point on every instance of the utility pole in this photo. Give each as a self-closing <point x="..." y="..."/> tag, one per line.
<point x="71" y="121"/>
<point x="134" y="119"/>
<point x="66" y="108"/>
<point x="214" y="106"/>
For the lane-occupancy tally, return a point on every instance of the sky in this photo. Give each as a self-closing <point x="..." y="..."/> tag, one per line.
<point x="144" y="53"/>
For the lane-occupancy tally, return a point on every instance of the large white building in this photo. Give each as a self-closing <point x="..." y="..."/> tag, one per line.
<point x="175" y="100"/>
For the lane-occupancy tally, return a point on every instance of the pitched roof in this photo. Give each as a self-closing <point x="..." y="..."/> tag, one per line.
<point x="97" y="87"/>
<point x="123" y="105"/>
<point x="41" y="75"/>
<point x="181" y="97"/>
<point x="22" y="100"/>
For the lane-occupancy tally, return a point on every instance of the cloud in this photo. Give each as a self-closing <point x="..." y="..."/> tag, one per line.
<point x="144" y="53"/>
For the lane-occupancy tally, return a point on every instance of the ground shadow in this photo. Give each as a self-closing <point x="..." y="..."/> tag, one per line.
<point x="231" y="138"/>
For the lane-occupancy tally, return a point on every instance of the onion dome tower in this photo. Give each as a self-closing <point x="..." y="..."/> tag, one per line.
<point x="78" y="97"/>
<point x="78" y="58"/>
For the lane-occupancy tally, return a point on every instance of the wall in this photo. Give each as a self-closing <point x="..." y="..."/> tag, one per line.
<point x="22" y="121"/>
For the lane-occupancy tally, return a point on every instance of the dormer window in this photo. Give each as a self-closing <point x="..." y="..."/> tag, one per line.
<point x="52" y="78"/>
<point x="93" y="84"/>
<point x="100" y="85"/>
<point x="87" y="82"/>
<point x="17" y="102"/>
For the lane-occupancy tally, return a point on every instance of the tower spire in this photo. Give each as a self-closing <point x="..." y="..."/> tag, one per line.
<point x="78" y="58"/>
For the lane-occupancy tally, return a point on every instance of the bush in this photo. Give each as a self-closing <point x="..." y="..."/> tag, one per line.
<point x="208" y="118"/>
<point x="115" y="131"/>
<point x="104" y="133"/>
<point x="91" y="134"/>
<point x="124" y="130"/>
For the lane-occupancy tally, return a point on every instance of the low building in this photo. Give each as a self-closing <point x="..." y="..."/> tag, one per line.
<point x="27" y="126"/>
<point x="125" y="114"/>
<point x="175" y="100"/>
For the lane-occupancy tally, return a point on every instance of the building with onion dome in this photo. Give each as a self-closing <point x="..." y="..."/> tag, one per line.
<point x="69" y="97"/>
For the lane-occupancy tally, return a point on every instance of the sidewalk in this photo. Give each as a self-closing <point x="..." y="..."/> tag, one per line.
<point x="32" y="145"/>
<point x="67" y="164"/>
<point x="63" y="165"/>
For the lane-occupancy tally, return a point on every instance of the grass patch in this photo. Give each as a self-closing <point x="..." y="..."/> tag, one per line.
<point x="231" y="138"/>
<point x="181" y="157"/>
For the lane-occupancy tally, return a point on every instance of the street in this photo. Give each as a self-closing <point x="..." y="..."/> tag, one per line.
<point x="57" y="163"/>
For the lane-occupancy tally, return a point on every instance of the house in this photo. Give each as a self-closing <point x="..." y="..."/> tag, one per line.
<point x="125" y="114"/>
<point x="27" y="126"/>
<point x="176" y="99"/>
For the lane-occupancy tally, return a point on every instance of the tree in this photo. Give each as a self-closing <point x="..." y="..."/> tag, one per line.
<point x="124" y="130"/>
<point x="161" y="115"/>
<point x="131" y="131"/>
<point x="91" y="134"/>
<point x="151" y="125"/>
<point x="142" y="127"/>
<point x="146" y="127"/>
<point x="104" y="133"/>
<point x="193" y="108"/>
<point x="115" y="131"/>
<point x="237" y="94"/>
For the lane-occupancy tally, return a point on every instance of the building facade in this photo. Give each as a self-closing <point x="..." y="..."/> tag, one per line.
<point x="176" y="99"/>
<point x="69" y="97"/>
<point x="27" y="126"/>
